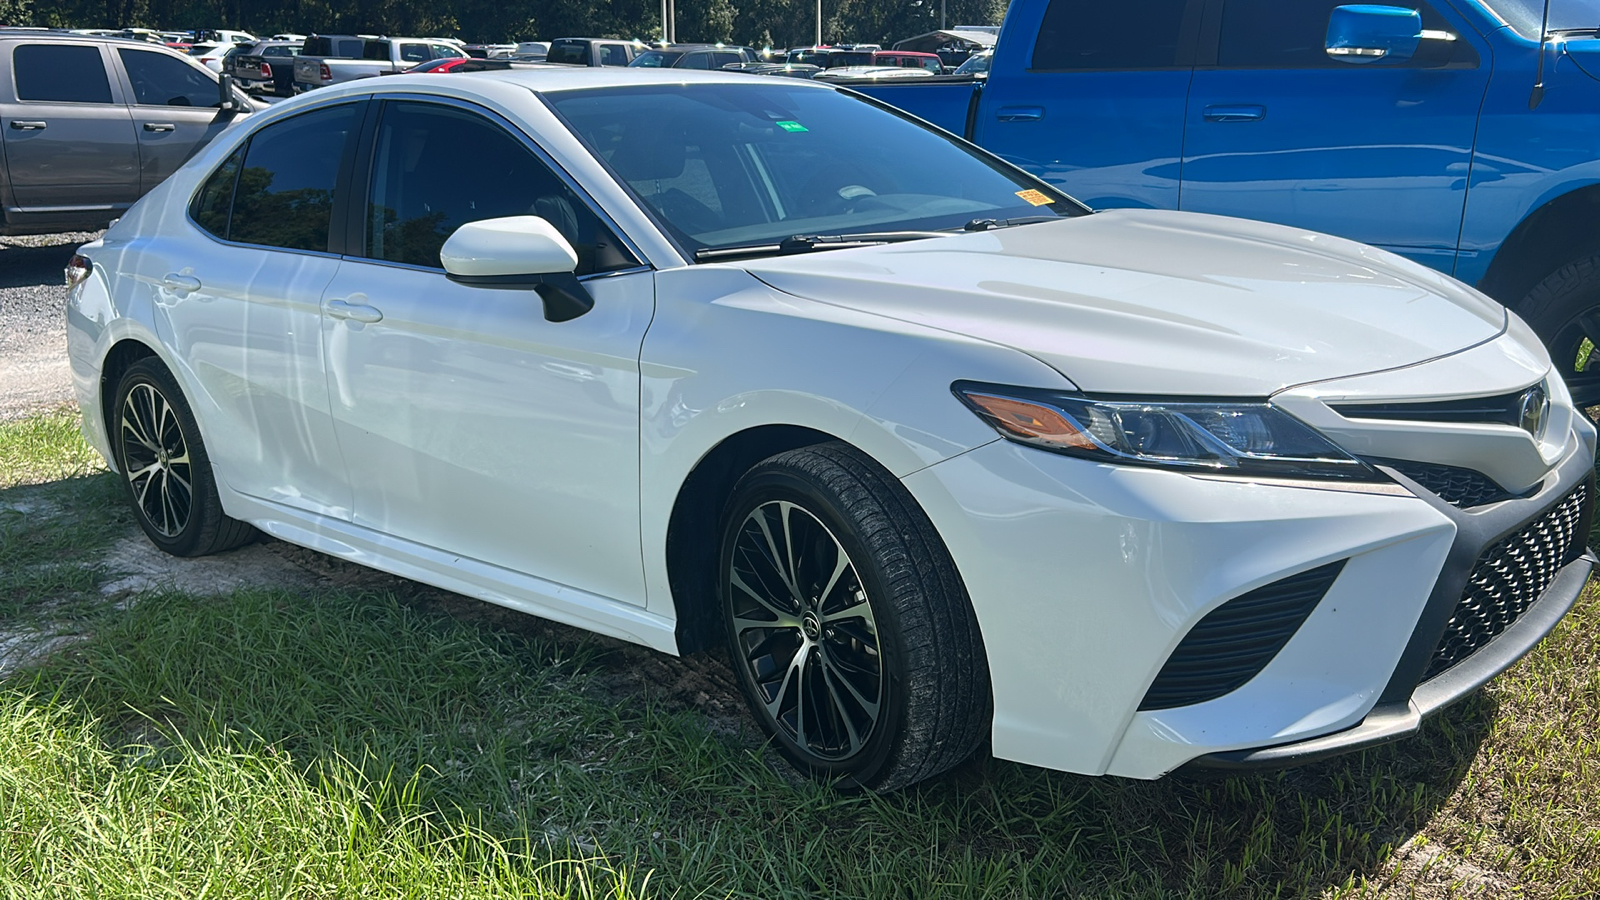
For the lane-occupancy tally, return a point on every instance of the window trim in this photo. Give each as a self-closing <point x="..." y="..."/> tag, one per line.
<point x="359" y="194"/>
<point x="112" y="79"/>
<point x="340" y="188"/>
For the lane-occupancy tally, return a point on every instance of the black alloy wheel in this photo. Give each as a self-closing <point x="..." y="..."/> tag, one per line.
<point x="847" y="624"/>
<point x="1564" y="309"/>
<point x="165" y="468"/>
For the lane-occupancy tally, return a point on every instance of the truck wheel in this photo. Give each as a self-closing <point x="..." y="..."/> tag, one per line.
<point x="1564" y="309"/>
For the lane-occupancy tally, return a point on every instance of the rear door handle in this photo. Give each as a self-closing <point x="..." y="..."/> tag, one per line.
<point x="160" y="126"/>
<point x="1020" y="113"/>
<point x="358" y="312"/>
<point x="1242" y="112"/>
<point x="181" y="284"/>
<point x="20" y="125"/>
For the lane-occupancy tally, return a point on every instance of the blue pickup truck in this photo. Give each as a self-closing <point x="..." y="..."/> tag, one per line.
<point x="1463" y="134"/>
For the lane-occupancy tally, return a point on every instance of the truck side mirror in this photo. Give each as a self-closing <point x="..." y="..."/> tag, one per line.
<point x="1366" y="34"/>
<point x="227" y="97"/>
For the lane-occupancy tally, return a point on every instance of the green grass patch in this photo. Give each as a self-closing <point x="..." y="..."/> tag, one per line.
<point x="45" y="447"/>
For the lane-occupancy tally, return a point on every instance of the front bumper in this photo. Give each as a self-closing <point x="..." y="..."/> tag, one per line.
<point x="1085" y="578"/>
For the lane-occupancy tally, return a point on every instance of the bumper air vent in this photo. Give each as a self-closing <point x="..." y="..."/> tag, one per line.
<point x="1509" y="576"/>
<point x="1461" y="488"/>
<point x="1236" y="640"/>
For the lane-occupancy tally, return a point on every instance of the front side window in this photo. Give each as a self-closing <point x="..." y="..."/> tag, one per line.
<point x="572" y="53"/>
<point x="414" y="52"/>
<point x="613" y="55"/>
<point x="1271" y="34"/>
<point x="696" y="61"/>
<point x="730" y="165"/>
<point x="284" y="191"/>
<point x="421" y="192"/>
<point x="1094" y="34"/>
<point x="60" y="73"/>
<point x="162" y="80"/>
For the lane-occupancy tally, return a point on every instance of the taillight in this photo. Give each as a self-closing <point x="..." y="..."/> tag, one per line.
<point x="266" y="70"/>
<point x="78" y="269"/>
<point x="326" y="75"/>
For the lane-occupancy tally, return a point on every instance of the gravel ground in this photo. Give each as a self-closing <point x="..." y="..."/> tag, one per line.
<point x="33" y="331"/>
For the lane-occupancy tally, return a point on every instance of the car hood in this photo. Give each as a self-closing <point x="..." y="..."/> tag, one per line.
<point x="1142" y="301"/>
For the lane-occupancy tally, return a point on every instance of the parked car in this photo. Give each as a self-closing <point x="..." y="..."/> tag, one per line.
<point x="1441" y="130"/>
<point x="531" y="50"/>
<point x="695" y="358"/>
<point x="211" y="55"/>
<point x="977" y="65"/>
<point x="380" y="56"/>
<point x="489" y="51"/>
<point x="871" y="73"/>
<point x="93" y="123"/>
<point x="223" y="35"/>
<point x="860" y="55"/>
<point x="329" y="46"/>
<point x="694" y="56"/>
<point x="266" y="66"/>
<point x="468" y="64"/>
<point x="592" y="52"/>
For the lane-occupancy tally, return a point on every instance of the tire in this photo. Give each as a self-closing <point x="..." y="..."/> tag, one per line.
<point x="879" y="681"/>
<point x="165" y="468"/>
<point x="1554" y="309"/>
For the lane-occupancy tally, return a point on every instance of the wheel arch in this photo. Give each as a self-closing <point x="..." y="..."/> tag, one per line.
<point x="122" y="354"/>
<point x="1554" y="234"/>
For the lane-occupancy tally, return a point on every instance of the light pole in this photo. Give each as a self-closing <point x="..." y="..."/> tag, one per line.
<point x="941" y="14"/>
<point x="663" y="20"/>
<point x="819" y="23"/>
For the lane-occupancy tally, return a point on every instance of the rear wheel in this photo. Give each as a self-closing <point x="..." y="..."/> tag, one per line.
<point x="1564" y="309"/>
<point x="165" y="467"/>
<point x="848" y="626"/>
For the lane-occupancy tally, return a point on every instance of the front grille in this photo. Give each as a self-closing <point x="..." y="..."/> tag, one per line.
<point x="1461" y="488"/>
<point x="1236" y="640"/>
<point x="1502" y="409"/>
<point x="1509" y="576"/>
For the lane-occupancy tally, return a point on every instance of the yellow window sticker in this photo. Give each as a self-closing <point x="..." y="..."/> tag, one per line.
<point x="1035" y="198"/>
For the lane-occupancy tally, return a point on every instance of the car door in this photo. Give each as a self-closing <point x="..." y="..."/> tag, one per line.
<point x="1278" y="130"/>
<point x="175" y="110"/>
<point x="470" y="423"/>
<point x="1096" y="105"/>
<point x="69" y="139"/>
<point x="241" y="298"/>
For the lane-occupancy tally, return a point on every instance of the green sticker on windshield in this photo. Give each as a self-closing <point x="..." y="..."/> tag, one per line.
<point x="792" y="126"/>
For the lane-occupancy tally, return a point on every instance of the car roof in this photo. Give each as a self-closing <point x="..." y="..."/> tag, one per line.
<point x="558" y="78"/>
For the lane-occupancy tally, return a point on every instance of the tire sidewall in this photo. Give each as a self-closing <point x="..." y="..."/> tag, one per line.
<point x="773" y="482"/>
<point x="202" y="493"/>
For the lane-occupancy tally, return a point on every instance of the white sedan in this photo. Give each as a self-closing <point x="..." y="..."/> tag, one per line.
<point x="938" y="456"/>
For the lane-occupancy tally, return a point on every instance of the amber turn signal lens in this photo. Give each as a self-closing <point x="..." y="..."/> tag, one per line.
<point x="1030" y="421"/>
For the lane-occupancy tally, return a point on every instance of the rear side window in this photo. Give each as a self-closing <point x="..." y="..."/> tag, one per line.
<point x="60" y="73"/>
<point x="377" y="50"/>
<point x="1094" y="34"/>
<point x="614" y="55"/>
<point x="1271" y="34"/>
<point x="696" y="61"/>
<point x="282" y="194"/>
<point x="162" y="80"/>
<point x="421" y="193"/>
<point x="569" y="53"/>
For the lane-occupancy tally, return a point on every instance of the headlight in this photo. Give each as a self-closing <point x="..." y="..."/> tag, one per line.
<point x="1220" y="438"/>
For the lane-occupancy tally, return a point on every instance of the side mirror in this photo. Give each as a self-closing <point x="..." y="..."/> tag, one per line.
<point x="228" y="98"/>
<point x="518" y="252"/>
<point x="1366" y="34"/>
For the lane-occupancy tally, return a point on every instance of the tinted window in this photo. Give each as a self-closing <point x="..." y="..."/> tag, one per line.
<point x="570" y="53"/>
<point x="285" y="193"/>
<point x="162" y="80"/>
<point x="421" y="193"/>
<point x="444" y="51"/>
<point x="1271" y="34"/>
<point x="376" y="50"/>
<point x="613" y="55"/>
<point x="62" y="73"/>
<point x="696" y="61"/>
<point x="1527" y="15"/>
<point x="1094" y="34"/>
<point x="211" y="205"/>
<point x="414" y="52"/>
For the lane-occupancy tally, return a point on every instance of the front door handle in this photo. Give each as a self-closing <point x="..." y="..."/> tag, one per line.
<point x="358" y="312"/>
<point x="181" y="284"/>
<point x="1241" y="112"/>
<point x="20" y="125"/>
<point x="160" y="126"/>
<point x="1020" y="113"/>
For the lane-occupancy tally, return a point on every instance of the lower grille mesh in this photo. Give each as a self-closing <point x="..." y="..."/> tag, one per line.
<point x="1509" y="577"/>
<point x="1236" y="640"/>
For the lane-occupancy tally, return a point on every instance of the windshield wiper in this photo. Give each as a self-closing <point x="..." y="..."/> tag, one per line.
<point x="990" y="224"/>
<point x="807" y="243"/>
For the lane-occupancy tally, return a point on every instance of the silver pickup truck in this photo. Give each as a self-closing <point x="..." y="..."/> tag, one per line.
<point x="380" y="56"/>
<point x="89" y="124"/>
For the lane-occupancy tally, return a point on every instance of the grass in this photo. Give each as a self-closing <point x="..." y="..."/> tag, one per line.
<point x="334" y="743"/>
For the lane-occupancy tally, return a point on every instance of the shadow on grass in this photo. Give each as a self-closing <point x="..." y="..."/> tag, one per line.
<point x="516" y="728"/>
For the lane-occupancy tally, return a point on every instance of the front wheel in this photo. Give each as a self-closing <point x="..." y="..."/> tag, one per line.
<point x="1564" y="310"/>
<point x="165" y="468"/>
<point x="848" y="627"/>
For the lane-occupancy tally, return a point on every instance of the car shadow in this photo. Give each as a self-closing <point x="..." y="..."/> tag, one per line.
<point x="30" y="266"/>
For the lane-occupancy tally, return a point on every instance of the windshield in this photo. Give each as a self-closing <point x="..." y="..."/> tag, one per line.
<point x="726" y="165"/>
<point x="1565" y="15"/>
<point x="656" y="59"/>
